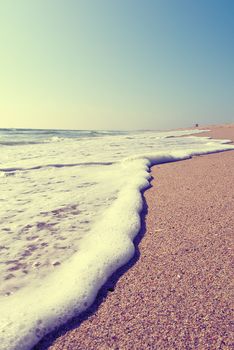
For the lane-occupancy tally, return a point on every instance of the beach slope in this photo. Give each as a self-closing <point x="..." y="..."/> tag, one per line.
<point x="177" y="294"/>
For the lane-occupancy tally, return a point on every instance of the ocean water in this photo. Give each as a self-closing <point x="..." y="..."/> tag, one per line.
<point x="70" y="209"/>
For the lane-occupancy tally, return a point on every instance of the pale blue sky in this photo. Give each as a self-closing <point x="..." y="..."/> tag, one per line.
<point x="116" y="64"/>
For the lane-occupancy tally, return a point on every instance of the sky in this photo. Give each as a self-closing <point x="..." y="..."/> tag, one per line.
<point x="116" y="64"/>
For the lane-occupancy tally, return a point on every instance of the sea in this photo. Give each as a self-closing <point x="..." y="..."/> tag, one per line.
<point x="70" y="206"/>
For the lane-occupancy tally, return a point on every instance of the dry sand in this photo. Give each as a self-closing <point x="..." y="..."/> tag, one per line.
<point x="176" y="292"/>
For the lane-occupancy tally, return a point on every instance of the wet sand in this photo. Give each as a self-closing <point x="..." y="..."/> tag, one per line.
<point x="176" y="293"/>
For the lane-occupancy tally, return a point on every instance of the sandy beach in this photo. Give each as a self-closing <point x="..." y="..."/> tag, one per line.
<point x="176" y="292"/>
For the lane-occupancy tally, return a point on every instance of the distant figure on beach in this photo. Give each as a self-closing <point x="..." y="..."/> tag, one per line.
<point x="196" y="125"/>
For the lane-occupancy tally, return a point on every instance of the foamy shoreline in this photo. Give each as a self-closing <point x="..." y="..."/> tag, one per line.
<point x="125" y="318"/>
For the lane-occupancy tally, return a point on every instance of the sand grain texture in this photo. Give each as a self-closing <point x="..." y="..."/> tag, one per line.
<point x="178" y="294"/>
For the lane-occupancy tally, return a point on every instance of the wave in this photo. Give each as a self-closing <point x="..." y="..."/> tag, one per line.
<point x="24" y="137"/>
<point x="38" y="167"/>
<point x="18" y="143"/>
<point x="109" y="245"/>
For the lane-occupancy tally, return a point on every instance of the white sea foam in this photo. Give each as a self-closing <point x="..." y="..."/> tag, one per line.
<point x="69" y="215"/>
